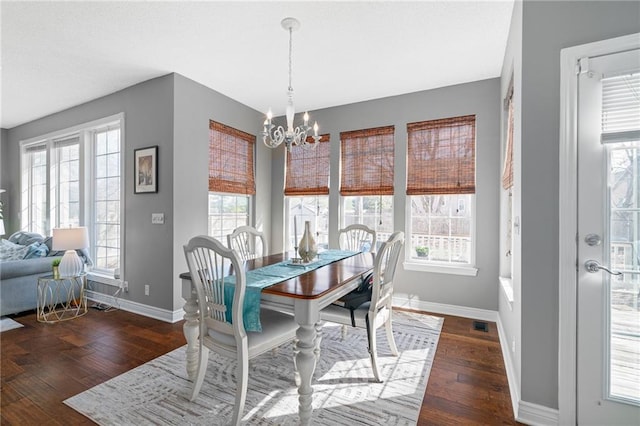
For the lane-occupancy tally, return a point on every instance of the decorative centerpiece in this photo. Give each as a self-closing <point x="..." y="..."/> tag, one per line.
<point x="307" y="248"/>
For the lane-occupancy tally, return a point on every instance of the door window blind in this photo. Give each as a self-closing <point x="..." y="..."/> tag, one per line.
<point x="621" y="108"/>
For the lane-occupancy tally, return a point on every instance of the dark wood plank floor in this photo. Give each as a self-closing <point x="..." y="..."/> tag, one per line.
<point x="44" y="364"/>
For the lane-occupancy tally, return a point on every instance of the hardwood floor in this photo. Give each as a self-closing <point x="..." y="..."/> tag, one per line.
<point x="44" y="364"/>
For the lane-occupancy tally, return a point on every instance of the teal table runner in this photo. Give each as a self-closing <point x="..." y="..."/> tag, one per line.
<point x="260" y="278"/>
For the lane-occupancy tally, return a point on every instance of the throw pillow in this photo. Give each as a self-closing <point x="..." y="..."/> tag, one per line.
<point x="35" y="250"/>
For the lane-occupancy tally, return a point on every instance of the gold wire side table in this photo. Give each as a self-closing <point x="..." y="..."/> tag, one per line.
<point x="61" y="299"/>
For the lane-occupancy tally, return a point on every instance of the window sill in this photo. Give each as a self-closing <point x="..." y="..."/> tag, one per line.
<point x="103" y="279"/>
<point x="507" y="289"/>
<point x="469" y="271"/>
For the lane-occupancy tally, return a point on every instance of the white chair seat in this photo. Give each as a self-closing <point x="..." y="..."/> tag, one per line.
<point x="276" y="327"/>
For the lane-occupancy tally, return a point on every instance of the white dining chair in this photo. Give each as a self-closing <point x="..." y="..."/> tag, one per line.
<point x="373" y="315"/>
<point x="357" y="237"/>
<point x="248" y="242"/>
<point x="210" y="264"/>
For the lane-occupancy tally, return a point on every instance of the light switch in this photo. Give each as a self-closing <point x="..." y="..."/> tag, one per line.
<point x="157" y="218"/>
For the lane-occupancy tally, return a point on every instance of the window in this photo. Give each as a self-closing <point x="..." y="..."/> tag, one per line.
<point x="374" y="211"/>
<point x="307" y="191"/>
<point x="73" y="178"/>
<point x="506" y="203"/>
<point x="315" y="209"/>
<point x="440" y="189"/>
<point x="106" y="212"/>
<point x="366" y="179"/>
<point x="231" y="179"/>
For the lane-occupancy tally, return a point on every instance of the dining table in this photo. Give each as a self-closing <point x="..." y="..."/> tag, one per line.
<point x="304" y="296"/>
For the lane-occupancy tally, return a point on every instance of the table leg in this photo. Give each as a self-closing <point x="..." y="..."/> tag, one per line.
<point x="306" y="365"/>
<point x="191" y="330"/>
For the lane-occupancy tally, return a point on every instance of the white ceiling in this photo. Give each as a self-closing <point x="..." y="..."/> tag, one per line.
<point x="57" y="54"/>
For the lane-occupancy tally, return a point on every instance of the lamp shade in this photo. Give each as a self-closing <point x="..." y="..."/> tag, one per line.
<point x="70" y="238"/>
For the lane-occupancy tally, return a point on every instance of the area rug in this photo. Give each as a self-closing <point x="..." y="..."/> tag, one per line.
<point x="7" y="324"/>
<point x="345" y="392"/>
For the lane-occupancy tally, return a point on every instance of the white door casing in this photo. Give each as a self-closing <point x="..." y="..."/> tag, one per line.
<point x="583" y="344"/>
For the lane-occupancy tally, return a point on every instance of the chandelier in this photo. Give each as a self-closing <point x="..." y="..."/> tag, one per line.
<point x="272" y="136"/>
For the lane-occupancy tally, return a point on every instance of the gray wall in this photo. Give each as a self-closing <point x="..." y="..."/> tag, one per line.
<point x="148" y="113"/>
<point x="194" y="106"/>
<point x="547" y="28"/>
<point x="172" y="112"/>
<point x="480" y="98"/>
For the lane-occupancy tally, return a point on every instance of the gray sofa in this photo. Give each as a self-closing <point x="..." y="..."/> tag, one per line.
<point x="18" y="278"/>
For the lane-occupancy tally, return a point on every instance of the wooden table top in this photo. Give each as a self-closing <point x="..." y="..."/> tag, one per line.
<point x="315" y="283"/>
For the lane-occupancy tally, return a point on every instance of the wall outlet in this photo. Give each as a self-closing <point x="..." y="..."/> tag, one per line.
<point x="146" y="289"/>
<point x="157" y="218"/>
<point x="125" y="286"/>
<point x="513" y="345"/>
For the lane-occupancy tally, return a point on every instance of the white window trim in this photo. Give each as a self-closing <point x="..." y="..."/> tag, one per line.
<point x="465" y="269"/>
<point x="83" y="131"/>
<point x="411" y="265"/>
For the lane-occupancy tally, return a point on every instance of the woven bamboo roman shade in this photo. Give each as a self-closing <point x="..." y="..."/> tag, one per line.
<point x="507" y="170"/>
<point x="308" y="169"/>
<point x="367" y="161"/>
<point x="231" y="160"/>
<point x="441" y="156"/>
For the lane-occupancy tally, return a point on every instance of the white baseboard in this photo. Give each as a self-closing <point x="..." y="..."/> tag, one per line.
<point x="509" y="365"/>
<point x="524" y="412"/>
<point x="537" y="415"/>
<point x="441" y="308"/>
<point x="137" y="308"/>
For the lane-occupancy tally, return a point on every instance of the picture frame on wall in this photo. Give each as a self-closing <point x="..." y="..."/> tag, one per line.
<point x="146" y="170"/>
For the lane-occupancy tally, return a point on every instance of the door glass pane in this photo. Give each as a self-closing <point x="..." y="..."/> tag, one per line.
<point x="624" y="242"/>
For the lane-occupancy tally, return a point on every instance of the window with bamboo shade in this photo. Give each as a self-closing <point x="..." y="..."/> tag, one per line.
<point x="231" y="153"/>
<point x="366" y="179"/>
<point x="441" y="188"/>
<point x="231" y="179"/>
<point x="307" y="171"/>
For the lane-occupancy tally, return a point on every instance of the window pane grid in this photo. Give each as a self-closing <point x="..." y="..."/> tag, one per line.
<point x="314" y="209"/>
<point x="441" y="228"/>
<point x="226" y="213"/>
<point x="107" y="199"/>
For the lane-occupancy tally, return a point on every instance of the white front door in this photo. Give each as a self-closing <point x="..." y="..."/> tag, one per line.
<point x="608" y="277"/>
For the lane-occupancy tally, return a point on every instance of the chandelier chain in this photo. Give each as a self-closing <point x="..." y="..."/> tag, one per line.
<point x="290" y="55"/>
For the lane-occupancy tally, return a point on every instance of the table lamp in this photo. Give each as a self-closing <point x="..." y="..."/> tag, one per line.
<point x="70" y="239"/>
